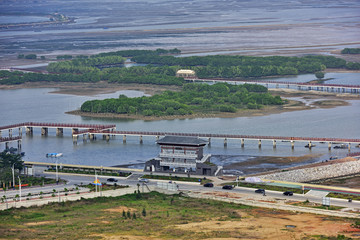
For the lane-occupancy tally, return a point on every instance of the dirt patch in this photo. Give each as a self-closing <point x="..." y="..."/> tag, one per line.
<point x="249" y="166"/>
<point x="330" y="103"/>
<point x="122" y="237"/>
<point x="39" y="223"/>
<point x="120" y="209"/>
<point x="273" y="225"/>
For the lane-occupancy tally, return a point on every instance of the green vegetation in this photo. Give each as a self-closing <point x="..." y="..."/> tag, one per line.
<point x="220" y="97"/>
<point x="28" y="56"/>
<point x="350" y="51"/>
<point x="89" y="171"/>
<point x="267" y="187"/>
<point x="161" y="67"/>
<point x="316" y="205"/>
<point x="344" y="196"/>
<point x="7" y="162"/>
<point x="176" y="178"/>
<point x="83" y="65"/>
<point x="319" y="75"/>
<point x="104" y="187"/>
<point x="223" y="66"/>
<point x="87" y="218"/>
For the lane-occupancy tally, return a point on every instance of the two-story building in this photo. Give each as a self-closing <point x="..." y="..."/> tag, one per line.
<point x="184" y="155"/>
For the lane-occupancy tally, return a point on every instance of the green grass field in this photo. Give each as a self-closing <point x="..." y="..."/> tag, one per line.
<point x="134" y="214"/>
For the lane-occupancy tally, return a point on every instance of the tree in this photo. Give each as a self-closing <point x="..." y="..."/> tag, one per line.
<point x="7" y="161"/>
<point x="319" y="75"/>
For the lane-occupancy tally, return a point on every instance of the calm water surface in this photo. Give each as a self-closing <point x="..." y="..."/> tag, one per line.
<point x="39" y="105"/>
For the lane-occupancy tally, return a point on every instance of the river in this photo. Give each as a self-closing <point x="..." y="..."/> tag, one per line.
<point x="39" y="105"/>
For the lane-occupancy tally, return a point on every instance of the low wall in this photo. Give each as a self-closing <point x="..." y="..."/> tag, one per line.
<point x="316" y="173"/>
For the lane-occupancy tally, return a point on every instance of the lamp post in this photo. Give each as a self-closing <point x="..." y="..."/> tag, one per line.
<point x="19" y="187"/>
<point x="13" y="174"/>
<point x="57" y="177"/>
<point x="95" y="182"/>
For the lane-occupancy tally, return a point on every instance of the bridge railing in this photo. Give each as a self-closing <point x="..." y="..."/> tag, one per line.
<point x="10" y="139"/>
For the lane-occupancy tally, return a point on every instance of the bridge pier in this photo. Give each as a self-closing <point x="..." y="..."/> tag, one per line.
<point x="84" y="137"/>
<point x="209" y="140"/>
<point x="310" y="146"/>
<point x="75" y="138"/>
<point x="6" y="145"/>
<point x="225" y="142"/>
<point x="74" y="130"/>
<point x="10" y="132"/>
<point x="92" y="136"/>
<point x="0" y="133"/>
<point x="157" y="138"/>
<point x="59" y="131"/>
<point x="274" y="143"/>
<point x="44" y="131"/>
<point x="329" y="146"/>
<point x="141" y="139"/>
<point x="107" y="137"/>
<point x="124" y="139"/>
<point x="349" y="146"/>
<point x="29" y="130"/>
<point x="19" y="144"/>
<point x="259" y="143"/>
<point x="292" y="144"/>
<point x="242" y="142"/>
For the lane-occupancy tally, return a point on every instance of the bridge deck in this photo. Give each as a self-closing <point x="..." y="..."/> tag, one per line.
<point x="227" y="136"/>
<point x="83" y="166"/>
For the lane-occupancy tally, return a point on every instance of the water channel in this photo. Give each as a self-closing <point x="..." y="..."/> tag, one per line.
<point x="40" y="105"/>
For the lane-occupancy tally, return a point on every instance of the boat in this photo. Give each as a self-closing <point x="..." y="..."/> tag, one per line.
<point x="54" y="155"/>
<point x="308" y="146"/>
<point x="341" y="146"/>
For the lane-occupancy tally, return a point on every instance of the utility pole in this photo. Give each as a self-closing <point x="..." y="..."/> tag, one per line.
<point x="13" y="174"/>
<point x="57" y="177"/>
<point x="19" y="187"/>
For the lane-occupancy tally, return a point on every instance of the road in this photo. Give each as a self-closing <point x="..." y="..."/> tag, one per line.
<point x="248" y="193"/>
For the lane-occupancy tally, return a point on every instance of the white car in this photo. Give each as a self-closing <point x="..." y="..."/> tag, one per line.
<point x="144" y="180"/>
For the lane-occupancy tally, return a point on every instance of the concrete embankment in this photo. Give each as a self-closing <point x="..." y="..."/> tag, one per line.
<point x="331" y="170"/>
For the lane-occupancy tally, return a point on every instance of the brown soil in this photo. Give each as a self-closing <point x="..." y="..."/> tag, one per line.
<point x="268" y="159"/>
<point x="264" y="224"/>
<point x="39" y="223"/>
<point x="120" y="209"/>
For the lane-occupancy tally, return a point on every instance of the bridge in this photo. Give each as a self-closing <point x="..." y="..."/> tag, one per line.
<point x="340" y="88"/>
<point x="90" y="131"/>
<point x="29" y="126"/>
<point x="310" y="140"/>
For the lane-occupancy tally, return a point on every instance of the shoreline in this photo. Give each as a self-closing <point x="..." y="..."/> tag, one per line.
<point x="320" y="99"/>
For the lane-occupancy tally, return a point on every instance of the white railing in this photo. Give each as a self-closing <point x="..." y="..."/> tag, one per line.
<point x="177" y="155"/>
<point x="204" y="159"/>
<point x="178" y="164"/>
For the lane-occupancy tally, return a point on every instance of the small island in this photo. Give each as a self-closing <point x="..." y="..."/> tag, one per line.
<point x="193" y="98"/>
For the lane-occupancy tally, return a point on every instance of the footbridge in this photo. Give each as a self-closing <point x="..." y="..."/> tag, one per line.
<point x="339" y="88"/>
<point x="59" y="127"/>
<point x="346" y="143"/>
<point x="91" y="131"/>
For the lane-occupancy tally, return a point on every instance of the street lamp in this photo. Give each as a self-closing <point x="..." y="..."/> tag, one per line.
<point x="13" y="174"/>
<point x="57" y="177"/>
<point x="19" y="187"/>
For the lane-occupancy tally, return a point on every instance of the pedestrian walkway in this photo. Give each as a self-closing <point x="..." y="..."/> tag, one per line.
<point x="315" y="193"/>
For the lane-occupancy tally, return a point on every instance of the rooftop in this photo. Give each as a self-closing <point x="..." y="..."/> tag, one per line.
<point x="182" y="140"/>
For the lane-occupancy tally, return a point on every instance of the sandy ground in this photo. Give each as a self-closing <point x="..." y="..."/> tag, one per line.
<point x="259" y="224"/>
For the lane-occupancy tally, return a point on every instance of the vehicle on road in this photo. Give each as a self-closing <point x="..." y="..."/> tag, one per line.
<point x="288" y="193"/>
<point x="209" y="184"/>
<point x="144" y="180"/>
<point x="227" y="187"/>
<point x="112" y="180"/>
<point x="260" y="191"/>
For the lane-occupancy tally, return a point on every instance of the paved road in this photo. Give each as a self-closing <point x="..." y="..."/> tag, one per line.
<point x="132" y="181"/>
